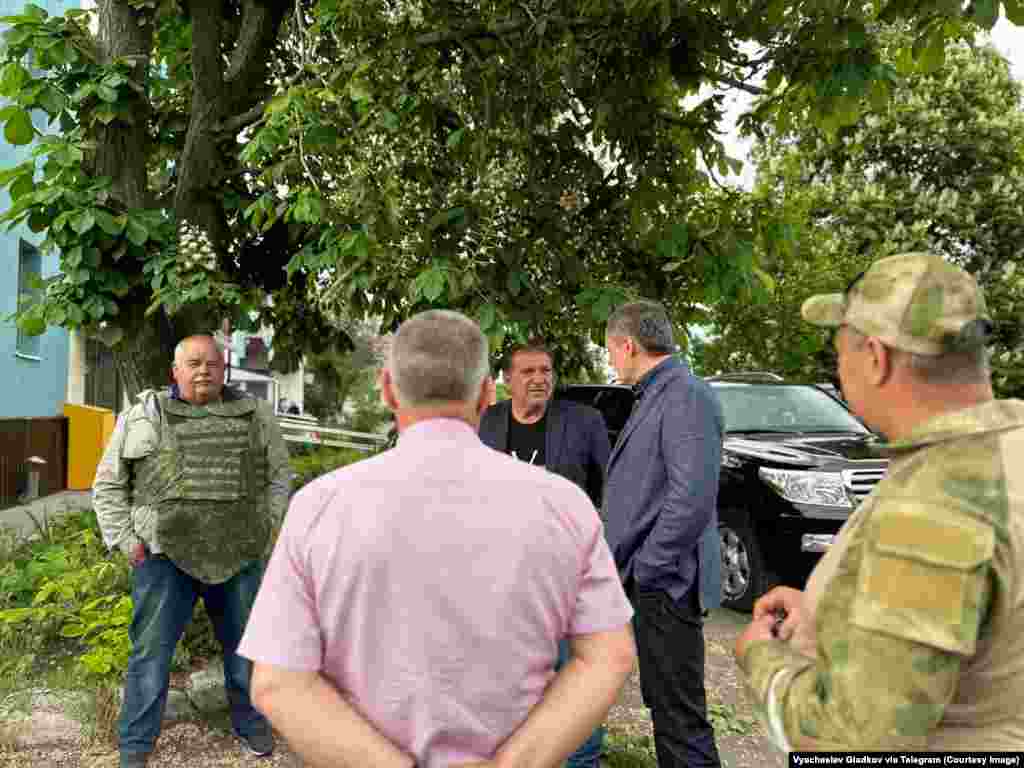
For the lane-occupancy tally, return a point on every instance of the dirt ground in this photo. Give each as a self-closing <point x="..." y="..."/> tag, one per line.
<point x="741" y="738"/>
<point x="202" y="744"/>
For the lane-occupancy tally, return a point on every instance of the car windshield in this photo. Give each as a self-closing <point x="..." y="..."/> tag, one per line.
<point x="783" y="408"/>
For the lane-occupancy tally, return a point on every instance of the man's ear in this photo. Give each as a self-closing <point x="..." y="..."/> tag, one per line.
<point x="488" y="392"/>
<point x="387" y="390"/>
<point x="881" y="362"/>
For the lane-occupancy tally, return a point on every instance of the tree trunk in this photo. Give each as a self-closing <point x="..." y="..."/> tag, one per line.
<point x="144" y="354"/>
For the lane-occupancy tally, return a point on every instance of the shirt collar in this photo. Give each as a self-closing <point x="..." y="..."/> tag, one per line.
<point x="993" y="416"/>
<point x="648" y="378"/>
<point x="438" y="427"/>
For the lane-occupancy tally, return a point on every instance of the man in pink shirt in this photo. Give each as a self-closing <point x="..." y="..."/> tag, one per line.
<point x="411" y="612"/>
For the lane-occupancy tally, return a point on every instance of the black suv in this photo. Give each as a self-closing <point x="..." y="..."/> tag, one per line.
<point x="795" y="463"/>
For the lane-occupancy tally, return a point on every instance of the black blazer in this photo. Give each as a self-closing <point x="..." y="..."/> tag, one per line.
<point x="576" y="442"/>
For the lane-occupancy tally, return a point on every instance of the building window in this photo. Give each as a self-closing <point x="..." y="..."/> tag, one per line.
<point x="30" y="268"/>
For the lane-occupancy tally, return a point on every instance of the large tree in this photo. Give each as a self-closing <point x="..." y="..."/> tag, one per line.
<point x="530" y="162"/>
<point x="939" y="168"/>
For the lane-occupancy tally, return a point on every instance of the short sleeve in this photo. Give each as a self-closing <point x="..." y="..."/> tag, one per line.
<point x="283" y="627"/>
<point x="601" y="602"/>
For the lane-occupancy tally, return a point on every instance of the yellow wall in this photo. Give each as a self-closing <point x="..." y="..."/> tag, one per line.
<point x="89" y="429"/>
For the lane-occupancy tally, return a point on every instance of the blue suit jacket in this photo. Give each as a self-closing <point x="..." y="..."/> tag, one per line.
<point x="576" y="442"/>
<point x="660" y="500"/>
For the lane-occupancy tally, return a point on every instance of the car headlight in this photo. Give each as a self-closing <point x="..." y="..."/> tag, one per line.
<point x="825" y="489"/>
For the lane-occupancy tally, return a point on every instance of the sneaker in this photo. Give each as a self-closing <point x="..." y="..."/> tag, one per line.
<point x="134" y="759"/>
<point x="259" y="742"/>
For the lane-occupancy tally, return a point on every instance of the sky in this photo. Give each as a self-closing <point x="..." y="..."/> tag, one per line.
<point x="1007" y="39"/>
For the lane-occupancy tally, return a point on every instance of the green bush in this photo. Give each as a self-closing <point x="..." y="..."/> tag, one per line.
<point x="309" y="465"/>
<point x="66" y="592"/>
<point x="64" y="588"/>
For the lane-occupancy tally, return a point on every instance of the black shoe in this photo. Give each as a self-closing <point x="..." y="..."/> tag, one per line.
<point x="134" y="759"/>
<point x="260" y="741"/>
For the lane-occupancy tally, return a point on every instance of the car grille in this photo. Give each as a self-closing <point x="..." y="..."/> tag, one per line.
<point x="860" y="482"/>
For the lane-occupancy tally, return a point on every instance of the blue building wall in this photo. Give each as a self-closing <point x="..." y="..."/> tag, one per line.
<point x="36" y="385"/>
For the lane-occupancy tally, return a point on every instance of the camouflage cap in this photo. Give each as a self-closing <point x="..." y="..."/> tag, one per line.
<point x="916" y="302"/>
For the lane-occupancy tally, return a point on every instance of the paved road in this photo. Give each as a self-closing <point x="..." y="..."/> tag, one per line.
<point x="54" y="504"/>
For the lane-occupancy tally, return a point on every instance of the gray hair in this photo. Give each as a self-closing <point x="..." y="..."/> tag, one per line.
<point x="647" y="322"/>
<point x="179" y="349"/>
<point x="437" y="357"/>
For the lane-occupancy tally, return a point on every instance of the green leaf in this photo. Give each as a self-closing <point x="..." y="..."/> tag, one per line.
<point x="19" y="129"/>
<point x="33" y="325"/>
<point x="767" y="280"/>
<point x="12" y="77"/>
<point x="934" y="54"/>
<point x="390" y="120"/>
<point x="856" y="34"/>
<point x="986" y="13"/>
<point x="1014" y="11"/>
<point x="515" y="282"/>
<point x="455" y="138"/>
<point x="137" y="233"/>
<point x="433" y="284"/>
<point x="83" y="222"/>
<point x="106" y="93"/>
<point x="108" y="223"/>
<point x="487" y="316"/>
<point x="23" y="186"/>
<point x="73" y="630"/>
<point x="52" y="101"/>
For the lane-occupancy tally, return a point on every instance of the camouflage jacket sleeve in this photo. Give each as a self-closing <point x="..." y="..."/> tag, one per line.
<point x="112" y="495"/>
<point x="278" y="469"/>
<point x="900" y="615"/>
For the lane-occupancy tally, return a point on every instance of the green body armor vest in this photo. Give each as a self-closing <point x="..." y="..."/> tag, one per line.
<point x="207" y="482"/>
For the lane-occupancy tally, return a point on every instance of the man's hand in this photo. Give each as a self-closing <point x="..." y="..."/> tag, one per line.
<point x="757" y="630"/>
<point x="783" y="603"/>
<point x="138" y="555"/>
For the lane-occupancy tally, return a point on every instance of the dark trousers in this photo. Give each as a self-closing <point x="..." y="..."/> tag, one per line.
<point x="670" y="646"/>
<point x="164" y="598"/>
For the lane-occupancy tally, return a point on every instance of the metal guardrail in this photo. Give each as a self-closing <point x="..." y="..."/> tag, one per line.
<point x="298" y="429"/>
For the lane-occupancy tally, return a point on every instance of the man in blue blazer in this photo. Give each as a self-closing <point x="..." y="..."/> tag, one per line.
<point x="564" y="437"/>
<point x="660" y="517"/>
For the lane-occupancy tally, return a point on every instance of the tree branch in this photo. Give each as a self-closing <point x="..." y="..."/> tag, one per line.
<point x="237" y="122"/>
<point x="246" y="73"/>
<point x="725" y="80"/>
<point x="207" y="69"/>
<point x="498" y="30"/>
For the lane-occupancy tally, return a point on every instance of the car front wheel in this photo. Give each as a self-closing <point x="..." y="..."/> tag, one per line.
<point x="744" y="578"/>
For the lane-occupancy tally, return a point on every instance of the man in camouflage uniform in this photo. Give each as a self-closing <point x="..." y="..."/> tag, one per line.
<point x="910" y="632"/>
<point x="190" y="488"/>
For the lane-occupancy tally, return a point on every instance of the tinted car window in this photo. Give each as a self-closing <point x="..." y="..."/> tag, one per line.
<point x="778" y="407"/>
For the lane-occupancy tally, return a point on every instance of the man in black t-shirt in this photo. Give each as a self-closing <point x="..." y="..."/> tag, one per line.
<point x="526" y="441"/>
<point x="563" y="437"/>
<point x="566" y="438"/>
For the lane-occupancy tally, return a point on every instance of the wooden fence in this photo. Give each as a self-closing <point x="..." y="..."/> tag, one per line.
<point x="45" y="437"/>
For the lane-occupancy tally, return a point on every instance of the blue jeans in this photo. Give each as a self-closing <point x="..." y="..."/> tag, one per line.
<point x="589" y="753"/>
<point x="164" y="598"/>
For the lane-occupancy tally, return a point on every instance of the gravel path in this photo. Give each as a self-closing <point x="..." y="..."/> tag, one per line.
<point x="209" y="744"/>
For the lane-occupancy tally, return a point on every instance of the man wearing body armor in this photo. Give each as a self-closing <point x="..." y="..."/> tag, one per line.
<point x="190" y="488"/>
